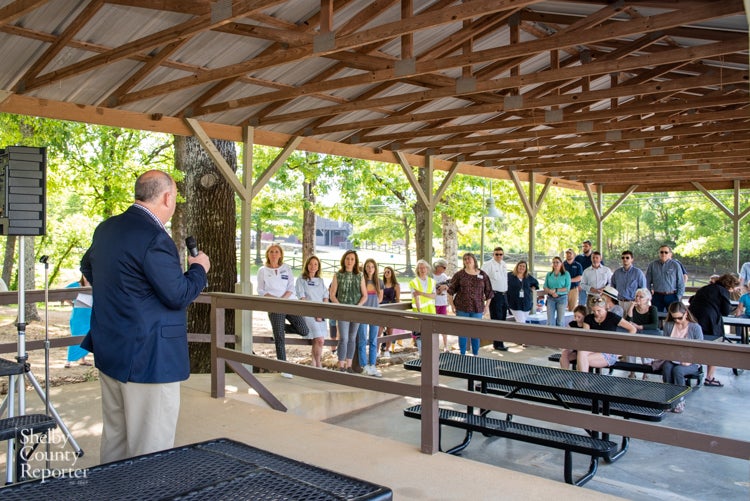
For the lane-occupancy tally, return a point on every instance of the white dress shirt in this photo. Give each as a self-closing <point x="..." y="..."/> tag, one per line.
<point x="498" y="274"/>
<point x="596" y="278"/>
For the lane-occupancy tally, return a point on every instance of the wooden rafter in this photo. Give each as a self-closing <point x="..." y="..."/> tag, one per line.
<point x="578" y="91"/>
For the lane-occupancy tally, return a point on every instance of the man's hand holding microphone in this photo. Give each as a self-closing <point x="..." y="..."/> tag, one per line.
<point x="196" y="256"/>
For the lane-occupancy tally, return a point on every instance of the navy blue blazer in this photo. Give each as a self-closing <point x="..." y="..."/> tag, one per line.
<point x="139" y="322"/>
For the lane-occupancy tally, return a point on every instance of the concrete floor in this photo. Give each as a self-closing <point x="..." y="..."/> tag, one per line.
<point x="410" y="474"/>
<point x="378" y="444"/>
<point x="647" y="471"/>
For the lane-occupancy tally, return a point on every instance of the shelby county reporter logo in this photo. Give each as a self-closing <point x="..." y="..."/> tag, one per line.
<point x="39" y="450"/>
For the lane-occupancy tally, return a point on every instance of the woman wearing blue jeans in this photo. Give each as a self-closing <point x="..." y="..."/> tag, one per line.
<point x="557" y="285"/>
<point x="469" y="294"/>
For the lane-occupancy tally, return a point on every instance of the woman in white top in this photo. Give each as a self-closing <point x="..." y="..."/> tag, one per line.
<point x="275" y="279"/>
<point x="441" y="291"/>
<point x="310" y="287"/>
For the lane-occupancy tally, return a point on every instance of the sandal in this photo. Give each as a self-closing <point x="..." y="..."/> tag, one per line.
<point x="85" y="364"/>
<point x="712" y="382"/>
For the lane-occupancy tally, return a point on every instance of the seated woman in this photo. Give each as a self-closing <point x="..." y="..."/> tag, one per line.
<point x="644" y="317"/>
<point x="642" y="314"/>
<point x="610" y="294"/>
<point x="680" y="324"/>
<point x="598" y="319"/>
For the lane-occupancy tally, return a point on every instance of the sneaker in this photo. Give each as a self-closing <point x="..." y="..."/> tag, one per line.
<point x="387" y="354"/>
<point x="375" y="372"/>
<point x="287" y="375"/>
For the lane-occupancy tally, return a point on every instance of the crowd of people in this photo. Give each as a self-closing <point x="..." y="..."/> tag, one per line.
<point x="624" y="298"/>
<point x="135" y="319"/>
<point x="627" y="299"/>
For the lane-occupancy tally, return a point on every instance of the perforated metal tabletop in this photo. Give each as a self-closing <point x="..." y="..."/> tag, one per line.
<point x="649" y="394"/>
<point x="217" y="469"/>
<point x="10" y="368"/>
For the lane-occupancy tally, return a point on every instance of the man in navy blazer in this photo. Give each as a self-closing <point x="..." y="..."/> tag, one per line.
<point x="138" y="324"/>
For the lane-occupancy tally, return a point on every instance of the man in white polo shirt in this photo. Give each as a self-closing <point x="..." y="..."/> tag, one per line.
<point x="497" y="271"/>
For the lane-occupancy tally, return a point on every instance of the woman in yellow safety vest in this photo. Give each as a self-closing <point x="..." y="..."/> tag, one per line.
<point x="422" y="295"/>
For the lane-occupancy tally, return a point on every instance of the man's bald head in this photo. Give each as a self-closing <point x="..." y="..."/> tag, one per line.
<point x="151" y="184"/>
<point x="157" y="191"/>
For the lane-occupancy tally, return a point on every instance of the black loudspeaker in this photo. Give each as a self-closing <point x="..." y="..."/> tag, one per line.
<point x="23" y="190"/>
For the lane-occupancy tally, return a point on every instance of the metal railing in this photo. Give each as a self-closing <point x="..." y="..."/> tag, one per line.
<point x="429" y="389"/>
<point x="431" y="392"/>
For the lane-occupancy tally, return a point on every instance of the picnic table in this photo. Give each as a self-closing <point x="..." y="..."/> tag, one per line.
<point x="741" y="327"/>
<point x="520" y="380"/>
<point x="215" y="469"/>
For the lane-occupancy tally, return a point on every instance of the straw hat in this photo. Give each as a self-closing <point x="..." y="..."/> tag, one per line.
<point x="611" y="292"/>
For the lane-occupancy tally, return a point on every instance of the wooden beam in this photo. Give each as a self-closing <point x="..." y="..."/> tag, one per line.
<point x="630" y="127"/>
<point x="726" y="131"/>
<point x="169" y="35"/>
<point x="592" y="117"/>
<point x="345" y="42"/>
<point x="326" y="16"/>
<point x="17" y="9"/>
<point x="623" y="91"/>
<point x="407" y="39"/>
<point x="192" y="7"/>
<point x="406" y="167"/>
<point x="53" y="50"/>
<point x="278" y="162"/>
<point x="144" y="70"/>
<point x="447" y="180"/>
<point x="718" y="203"/>
<point x="507" y="52"/>
<point x="218" y="160"/>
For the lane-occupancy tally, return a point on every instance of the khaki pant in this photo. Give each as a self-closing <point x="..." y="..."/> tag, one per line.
<point x="573" y="297"/>
<point x="137" y="418"/>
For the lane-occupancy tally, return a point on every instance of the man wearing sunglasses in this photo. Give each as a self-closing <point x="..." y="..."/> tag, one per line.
<point x="497" y="271"/>
<point x="665" y="279"/>
<point x="627" y="279"/>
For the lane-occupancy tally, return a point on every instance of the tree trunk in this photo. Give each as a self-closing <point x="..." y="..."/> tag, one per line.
<point x="408" y="271"/>
<point x="258" y="243"/>
<point x="450" y="243"/>
<point x="178" y="225"/>
<point x="210" y="216"/>
<point x="28" y="264"/>
<point x="420" y="217"/>
<point x="9" y="259"/>
<point x="308" y="221"/>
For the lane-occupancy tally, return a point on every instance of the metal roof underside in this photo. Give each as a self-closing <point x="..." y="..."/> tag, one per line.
<point x="651" y="93"/>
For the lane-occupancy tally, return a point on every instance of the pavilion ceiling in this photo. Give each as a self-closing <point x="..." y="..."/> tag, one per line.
<point x="651" y="93"/>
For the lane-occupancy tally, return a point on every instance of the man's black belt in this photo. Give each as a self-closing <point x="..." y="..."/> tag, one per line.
<point x="666" y="293"/>
<point x="500" y="292"/>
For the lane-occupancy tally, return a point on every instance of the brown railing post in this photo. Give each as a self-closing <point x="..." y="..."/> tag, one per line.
<point x="429" y="380"/>
<point x="217" y="364"/>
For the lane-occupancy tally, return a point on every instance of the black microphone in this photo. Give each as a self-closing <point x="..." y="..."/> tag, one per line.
<point x="192" y="245"/>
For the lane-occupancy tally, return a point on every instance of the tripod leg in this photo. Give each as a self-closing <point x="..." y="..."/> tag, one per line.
<point x="10" y="454"/>
<point x="55" y="415"/>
